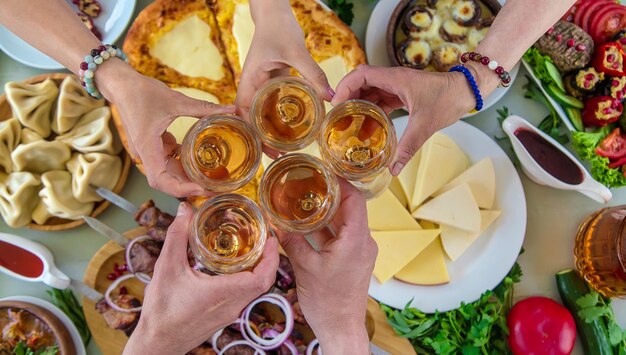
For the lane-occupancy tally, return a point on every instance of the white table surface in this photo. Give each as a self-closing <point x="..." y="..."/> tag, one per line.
<point x="553" y="215"/>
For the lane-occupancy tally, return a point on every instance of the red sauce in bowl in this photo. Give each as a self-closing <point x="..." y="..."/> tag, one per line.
<point x="550" y="158"/>
<point x="20" y="261"/>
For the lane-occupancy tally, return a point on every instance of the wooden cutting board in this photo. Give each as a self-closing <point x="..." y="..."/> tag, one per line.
<point x="112" y="342"/>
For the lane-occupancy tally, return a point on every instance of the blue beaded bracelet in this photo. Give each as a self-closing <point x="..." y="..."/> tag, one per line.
<point x="472" y="82"/>
<point x="96" y="57"/>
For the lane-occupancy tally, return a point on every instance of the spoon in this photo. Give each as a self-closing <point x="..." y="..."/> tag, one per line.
<point x="588" y="186"/>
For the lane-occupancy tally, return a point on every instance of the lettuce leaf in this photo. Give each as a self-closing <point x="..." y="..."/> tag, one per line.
<point x="537" y="62"/>
<point x="585" y="144"/>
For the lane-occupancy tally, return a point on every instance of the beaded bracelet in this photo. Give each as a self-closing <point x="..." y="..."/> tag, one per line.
<point x="96" y="57"/>
<point x="505" y="77"/>
<point x="472" y="82"/>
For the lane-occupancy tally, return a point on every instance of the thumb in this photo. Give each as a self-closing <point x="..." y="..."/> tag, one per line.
<point x="174" y="252"/>
<point x="411" y="141"/>
<point x="364" y="78"/>
<point x="297" y="247"/>
<point x="312" y="72"/>
<point x="201" y="108"/>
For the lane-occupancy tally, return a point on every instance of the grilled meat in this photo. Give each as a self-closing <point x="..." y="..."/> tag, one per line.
<point x="228" y="336"/>
<point x="150" y="216"/>
<point x="144" y="255"/>
<point x="202" y="349"/>
<point x="125" y="322"/>
<point x="569" y="46"/>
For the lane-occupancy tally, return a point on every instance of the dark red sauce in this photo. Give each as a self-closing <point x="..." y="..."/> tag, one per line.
<point x="550" y="158"/>
<point x="19" y="260"/>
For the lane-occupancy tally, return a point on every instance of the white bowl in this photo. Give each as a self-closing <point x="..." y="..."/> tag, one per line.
<point x="538" y="174"/>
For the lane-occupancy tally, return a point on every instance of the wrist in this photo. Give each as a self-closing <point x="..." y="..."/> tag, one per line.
<point x="146" y="340"/>
<point x="269" y="10"/>
<point x="486" y="78"/>
<point x="112" y="77"/>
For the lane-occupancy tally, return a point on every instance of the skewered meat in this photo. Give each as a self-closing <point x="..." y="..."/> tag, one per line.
<point x="125" y="322"/>
<point x="228" y="336"/>
<point x="144" y="255"/>
<point x="150" y="216"/>
<point x="202" y="349"/>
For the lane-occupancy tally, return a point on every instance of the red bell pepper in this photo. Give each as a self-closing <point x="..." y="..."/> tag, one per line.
<point x="602" y="110"/>
<point x="609" y="59"/>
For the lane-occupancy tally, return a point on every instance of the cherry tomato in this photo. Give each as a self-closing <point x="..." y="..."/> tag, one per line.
<point x="540" y="326"/>
<point x="613" y="146"/>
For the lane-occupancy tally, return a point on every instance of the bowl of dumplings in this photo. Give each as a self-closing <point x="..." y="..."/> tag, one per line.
<point x="56" y="146"/>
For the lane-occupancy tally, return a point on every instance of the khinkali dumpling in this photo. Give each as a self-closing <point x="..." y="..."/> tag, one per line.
<point x="32" y="104"/>
<point x="9" y="139"/>
<point x="29" y="136"/>
<point x="40" y="156"/>
<point x="93" y="169"/>
<point x="41" y="214"/>
<point x="92" y="133"/>
<point x="57" y="196"/>
<point x="18" y="197"/>
<point x="74" y="102"/>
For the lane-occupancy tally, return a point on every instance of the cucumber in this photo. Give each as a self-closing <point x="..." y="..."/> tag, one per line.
<point x="593" y="336"/>
<point x="562" y="98"/>
<point x="555" y="75"/>
<point x="575" y="117"/>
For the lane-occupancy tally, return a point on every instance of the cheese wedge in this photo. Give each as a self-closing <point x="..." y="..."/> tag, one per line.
<point x="312" y="149"/>
<point x="386" y="213"/>
<point x="456" y="242"/>
<point x="398" y="192"/>
<point x="182" y="124"/>
<point x="397" y="248"/>
<point x="408" y="178"/>
<point x="428" y="268"/>
<point x="335" y="69"/>
<point x="243" y="30"/>
<point x="455" y="208"/>
<point x="481" y="179"/>
<point x="441" y="160"/>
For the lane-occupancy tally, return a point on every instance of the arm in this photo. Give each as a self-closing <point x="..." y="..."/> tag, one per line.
<point x="147" y="106"/>
<point x="441" y="99"/>
<point x="332" y="283"/>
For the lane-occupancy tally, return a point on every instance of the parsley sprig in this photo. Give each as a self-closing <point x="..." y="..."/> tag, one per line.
<point x="594" y="306"/>
<point x="343" y="9"/>
<point x="475" y="328"/>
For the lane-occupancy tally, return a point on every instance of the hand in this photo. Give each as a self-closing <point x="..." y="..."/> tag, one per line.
<point x="277" y="45"/>
<point x="148" y="107"/>
<point x="184" y="307"/>
<point x="332" y="283"/>
<point x="434" y="101"/>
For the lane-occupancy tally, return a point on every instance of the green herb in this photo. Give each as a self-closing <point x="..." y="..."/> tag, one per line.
<point x="22" y="349"/>
<point x="475" y="328"/>
<point x="67" y="302"/>
<point x="537" y="63"/>
<point x="551" y="123"/>
<point x="503" y="113"/>
<point x="594" y="306"/>
<point x="343" y="9"/>
<point x="585" y="144"/>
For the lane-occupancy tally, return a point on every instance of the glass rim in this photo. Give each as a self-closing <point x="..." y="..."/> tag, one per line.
<point x="215" y="202"/>
<point x="391" y="133"/>
<point x="256" y="119"/>
<point x="332" y="188"/>
<point x="217" y="185"/>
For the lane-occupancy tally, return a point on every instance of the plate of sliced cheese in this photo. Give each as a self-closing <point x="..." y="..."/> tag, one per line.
<point x="450" y="226"/>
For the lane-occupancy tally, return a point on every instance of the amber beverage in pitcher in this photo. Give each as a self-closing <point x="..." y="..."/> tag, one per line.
<point x="600" y="251"/>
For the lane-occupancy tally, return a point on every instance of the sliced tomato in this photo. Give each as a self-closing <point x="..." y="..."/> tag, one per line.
<point x="619" y="162"/>
<point x="607" y="22"/>
<point x="569" y="15"/>
<point x="613" y="146"/>
<point x="578" y="15"/>
<point x="590" y="10"/>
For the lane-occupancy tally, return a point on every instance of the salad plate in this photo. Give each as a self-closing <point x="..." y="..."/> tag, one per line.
<point x="491" y="256"/>
<point x="376" y="47"/>
<point x="111" y="22"/>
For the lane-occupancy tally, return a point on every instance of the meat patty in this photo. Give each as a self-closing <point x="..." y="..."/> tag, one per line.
<point x="569" y="46"/>
<point x="125" y="322"/>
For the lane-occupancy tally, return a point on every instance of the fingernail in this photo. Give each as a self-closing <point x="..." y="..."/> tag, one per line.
<point x="397" y="168"/>
<point x="331" y="92"/>
<point x="182" y="208"/>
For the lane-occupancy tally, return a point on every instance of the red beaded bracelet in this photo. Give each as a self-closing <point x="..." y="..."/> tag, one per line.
<point x="505" y="77"/>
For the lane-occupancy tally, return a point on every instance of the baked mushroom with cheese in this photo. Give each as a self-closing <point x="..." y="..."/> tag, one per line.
<point x="452" y="32"/>
<point x="417" y="19"/>
<point x="466" y="12"/>
<point x="414" y="53"/>
<point x="445" y="57"/>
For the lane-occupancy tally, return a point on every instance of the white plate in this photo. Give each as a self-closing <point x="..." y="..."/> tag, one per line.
<point x="376" y="47"/>
<point x="111" y="22"/>
<point x="71" y="328"/>
<point x="491" y="256"/>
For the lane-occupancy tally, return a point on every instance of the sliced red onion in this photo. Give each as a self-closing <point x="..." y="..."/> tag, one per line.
<point x="214" y="340"/>
<point x="143" y="277"/>
<point x="257" y="351"/>
<point x="113" y="286"/>
<point x="291" y="346"/>
<point x="281" y="338"/>
<point x="286" y="278"/>
<point x="312" y="345"/>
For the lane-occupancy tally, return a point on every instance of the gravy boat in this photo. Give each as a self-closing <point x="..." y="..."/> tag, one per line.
<point x="50" y="274"/>
<point x="588" y="187"/>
